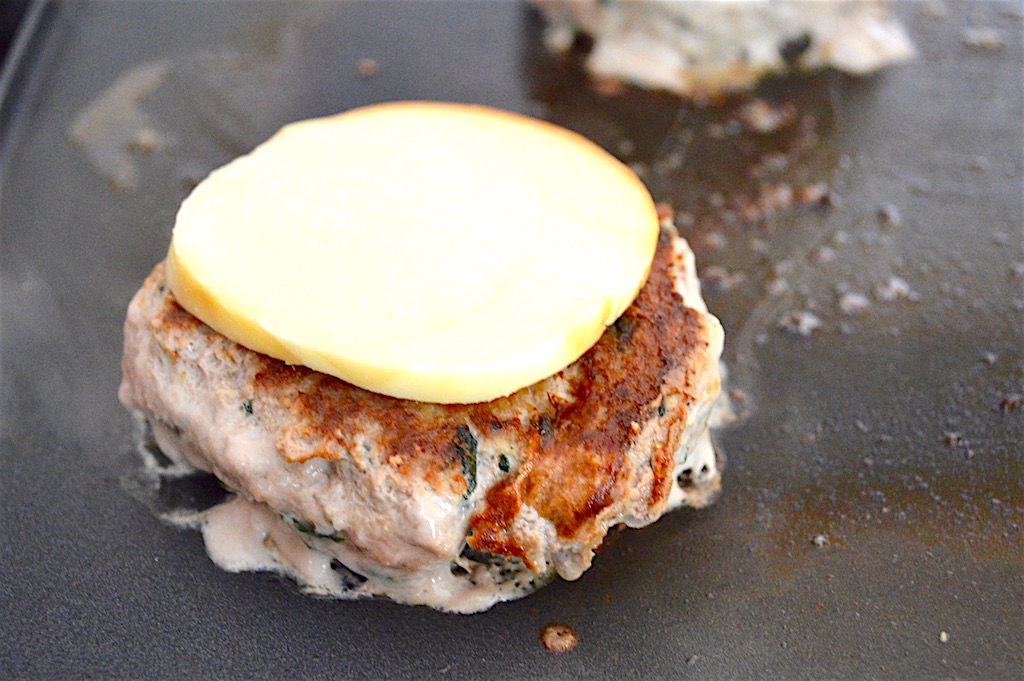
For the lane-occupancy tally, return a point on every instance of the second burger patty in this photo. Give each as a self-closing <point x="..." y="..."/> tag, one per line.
<point x="453" y="506"/>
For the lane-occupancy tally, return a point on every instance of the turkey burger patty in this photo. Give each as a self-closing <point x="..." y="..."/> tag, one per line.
<point x="456" y="506"/>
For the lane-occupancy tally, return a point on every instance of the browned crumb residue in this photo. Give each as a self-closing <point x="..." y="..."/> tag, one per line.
<point x="559" y="638"/>
<point x="367" y="68"/>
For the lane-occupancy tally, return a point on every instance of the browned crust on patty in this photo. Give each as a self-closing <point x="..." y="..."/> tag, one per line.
<point x="570" y="436"/>
<point x="577" y="465"/>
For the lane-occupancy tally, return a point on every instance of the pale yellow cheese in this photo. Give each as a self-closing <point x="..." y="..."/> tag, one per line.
<point x="437" y="252"/>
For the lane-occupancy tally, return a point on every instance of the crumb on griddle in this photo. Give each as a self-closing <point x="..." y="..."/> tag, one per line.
<point x="889" y="216"/>
<point x="895" y="288"/>
<point x="367" y="68"/>
<point x="763" y="117"/>
<point x="982" y="38"/>
<point x="1011" y="403"/>
<point x="799" y="323"/>
<point x="559" y="638"/>
<point x="851" y="303"/>
<point x="816" y="194"/>
<point x="717" y="278"/>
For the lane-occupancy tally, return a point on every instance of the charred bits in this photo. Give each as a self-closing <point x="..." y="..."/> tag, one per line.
<point x="623" y="330"/>
<point x="794" y="48"/>
<point x="465" y="446"/>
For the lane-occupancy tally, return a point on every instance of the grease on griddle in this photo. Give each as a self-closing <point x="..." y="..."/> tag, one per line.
<point x="112" y="130"/>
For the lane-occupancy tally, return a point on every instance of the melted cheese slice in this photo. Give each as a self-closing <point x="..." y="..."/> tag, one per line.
<point x="436" y="252"/>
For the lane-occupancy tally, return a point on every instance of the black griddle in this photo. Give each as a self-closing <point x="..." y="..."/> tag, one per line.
<point x="874" y="486"/>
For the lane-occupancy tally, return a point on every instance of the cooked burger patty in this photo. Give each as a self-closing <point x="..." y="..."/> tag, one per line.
<point x="453" y="506"/>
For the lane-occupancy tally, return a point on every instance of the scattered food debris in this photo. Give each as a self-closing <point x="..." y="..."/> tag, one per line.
<point x="816" y="194"/>
<point x="367" y="68"/>
<point x="820" y="540"/>
<point x="895" y="288"/>
<point x="774" y="162"/>
<point x="559" y="638"/>
<point x="853" y="303"/>
<point x="717" y="278"/>
<point x="715" y="241"/>
<point x="943" y="637"/>
<point x="955" y="439"/>
<point x="777" y="286"/>
<point x="980" y="164"/>
<point x="1011" y="403"/>
<point x="715" y="131"/>
<point x="763" y="117"/>
<point x="146" y="141"/>
<point x="824" y="255"/>
<point x="799" y="323"/>
<point x="672" y="161"/>
<point x="889" y="216"/>
<point x="982" y="38"/>
<point x="740" y="406"/>
<point x="771" y="199"/>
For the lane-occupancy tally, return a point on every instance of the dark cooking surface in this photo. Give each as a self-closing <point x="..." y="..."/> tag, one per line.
<point x="893" y="434"/>
<point x="10" y="18"/>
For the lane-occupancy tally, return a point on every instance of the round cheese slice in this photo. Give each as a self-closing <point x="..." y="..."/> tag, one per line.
<point x="437" y="252"/>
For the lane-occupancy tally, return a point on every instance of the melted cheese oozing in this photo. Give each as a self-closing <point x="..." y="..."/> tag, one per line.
<point x="437" y="252"/>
